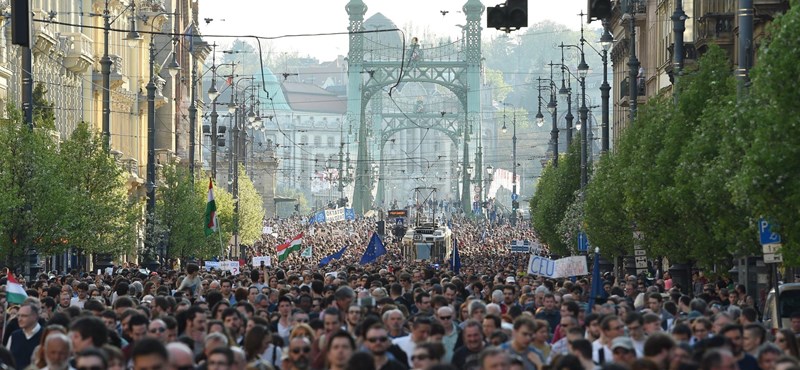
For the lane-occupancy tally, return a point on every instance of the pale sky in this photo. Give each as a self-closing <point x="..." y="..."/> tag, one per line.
<point x="270" y="18"/>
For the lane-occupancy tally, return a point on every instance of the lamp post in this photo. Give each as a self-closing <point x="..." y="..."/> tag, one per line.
<point x="552" y="107"/>
<point x="583" y="70"/>
<point x="233" y="185"/>
<point x="606" y="40"/>
<point x="212" y="96"/>
<point x="514" y="203"/>
<point x="151" y="140"/>
<point x="105" y="67"/>
<point x="633" y="62"/>
<point x="566" y="92"/>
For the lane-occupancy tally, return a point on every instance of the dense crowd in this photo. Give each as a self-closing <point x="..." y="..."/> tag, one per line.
<point x="392" y="314"/>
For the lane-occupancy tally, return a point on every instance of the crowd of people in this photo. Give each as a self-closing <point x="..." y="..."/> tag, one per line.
<point x="392" y="314"/>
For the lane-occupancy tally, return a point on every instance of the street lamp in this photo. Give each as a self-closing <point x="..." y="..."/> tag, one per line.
<point x="583" y="70"/>
<point x="514" y="203"/>
<point x="151" y="142"/>
<point x="606" y="41"/>
<point x="566" y="92"/>
<point x="133" y="38"/>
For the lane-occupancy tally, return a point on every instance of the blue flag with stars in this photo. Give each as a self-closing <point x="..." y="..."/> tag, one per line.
<point x="332" y="257"/>
<point x="456" y="258"/>
<point x="374" y="250"/>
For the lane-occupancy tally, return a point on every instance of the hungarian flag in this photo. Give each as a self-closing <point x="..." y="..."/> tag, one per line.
<point x="211" y="211"/>
<point x="290" y="246"/>
<point x="15" y="293"/>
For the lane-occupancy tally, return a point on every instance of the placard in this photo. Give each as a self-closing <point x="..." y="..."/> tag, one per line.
<point x="232" y="266"/>
<point x="208" y="265"/>
<point x="564" y="267"/>
<point x="266" y="259"/>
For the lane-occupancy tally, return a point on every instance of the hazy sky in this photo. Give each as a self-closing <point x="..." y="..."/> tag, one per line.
<point x="270" y="18"/>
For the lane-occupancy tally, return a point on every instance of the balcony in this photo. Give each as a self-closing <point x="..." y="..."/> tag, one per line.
<point x="44" y="39"/>
<point x="79" y="57"/>
<point x="624" y="88"/>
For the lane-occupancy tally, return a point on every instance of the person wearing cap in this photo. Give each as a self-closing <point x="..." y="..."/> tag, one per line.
<point x="623" y="351"/>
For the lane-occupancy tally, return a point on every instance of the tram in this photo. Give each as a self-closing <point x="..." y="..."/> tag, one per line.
<point x="427" y="242"/>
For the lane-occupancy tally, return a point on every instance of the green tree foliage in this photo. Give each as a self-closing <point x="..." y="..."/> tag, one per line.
<point x="102" y="217"/>
<point x="34" y="215"/>
<point x="500" y="88"/>
<point x="769" y="181"/>
<point x="180" y="212"/>
<point x="554" y="193"/>
<point x="708" y="215"/>
<point x="43" y="113"/>
<point x="251" y="210"/>
<point x="608" y="226"/>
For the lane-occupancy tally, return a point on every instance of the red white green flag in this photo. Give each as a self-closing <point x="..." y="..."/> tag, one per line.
<point x="211" y="211"/>
<point x="15" y="293"/>
<point x="290" y="246"/>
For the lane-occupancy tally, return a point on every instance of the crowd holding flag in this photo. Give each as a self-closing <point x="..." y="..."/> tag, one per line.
<point x="335" y="256"/>
<point x="15" y="293"/>
<point x="211" y="225"/>
<point x="374" y="250"/>
<point x="293" y="245"/>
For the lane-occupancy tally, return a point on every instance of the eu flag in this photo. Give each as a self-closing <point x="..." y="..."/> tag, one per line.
<point x="374" y="250"/>
<point x="334" y="256"/>
<point x="456" y="258"/>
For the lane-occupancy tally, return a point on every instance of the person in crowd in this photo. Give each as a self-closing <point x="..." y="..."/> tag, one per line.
<point x="24" y="340"/>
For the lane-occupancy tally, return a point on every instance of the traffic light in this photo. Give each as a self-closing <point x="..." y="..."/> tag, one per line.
<point x="21" y="23"/>
<point x="509" y="16"/>
<point x="399" y="232"/>
<point x="515" y="204"/>
<point x="381" y="227"/>
<point x="598" y="10"/>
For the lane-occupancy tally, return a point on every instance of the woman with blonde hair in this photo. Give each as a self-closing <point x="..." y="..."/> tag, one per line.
<point x="302" y="330"/>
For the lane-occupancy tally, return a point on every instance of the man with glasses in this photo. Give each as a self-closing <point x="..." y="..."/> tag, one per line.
<point x="377" y="342"/>
<point x="298" y="354"/>
<point x="610" y="328"/>
<point x="445" y="316"/>
<point x="220" y="358"/>
<point x="158" y="330"/>
<point x="149" y="354"/>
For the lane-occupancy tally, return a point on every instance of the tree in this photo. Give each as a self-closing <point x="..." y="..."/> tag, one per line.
<point x="608" y="226"/>
<point x="554" y="193"/>
<point x="102" y="217"/>
<point x="43" y="112"/>
<point x="768" y="183"/>
<point x="500" y="88"/>
<point x="251" y="210"/>
<point x="34" y="201"/>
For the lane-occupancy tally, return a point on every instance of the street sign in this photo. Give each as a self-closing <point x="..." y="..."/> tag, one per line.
<point x="514" y="196"/>
<point x="770" y="248"/>
<point x="400" y="221"/>
<point x="583" y="242"/>
<point x="773" y="258"/>
<point x="765" y="234"/>
<point x="522" y="246"/>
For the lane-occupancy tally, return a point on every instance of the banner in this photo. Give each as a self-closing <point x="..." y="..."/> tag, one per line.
<point x="208" y="265"/>
<point x="232" y="266"/>
<point x="564" y="267"/>
<point x="307" y="252"/>
<point x="266" y="259"/>
<point x="267" y="230"/>
<point x="332" y="215"/>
